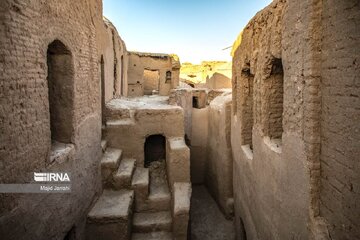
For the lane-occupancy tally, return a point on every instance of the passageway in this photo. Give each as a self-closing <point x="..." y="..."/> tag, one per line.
<point x="206" y="219"/>
<point x="154" y="149"/>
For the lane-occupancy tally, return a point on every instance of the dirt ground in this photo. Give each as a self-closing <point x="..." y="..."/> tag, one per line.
<point x="207" y="221"/>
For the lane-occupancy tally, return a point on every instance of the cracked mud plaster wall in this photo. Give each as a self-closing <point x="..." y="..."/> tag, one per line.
<point x="26" y="30"/>
<point x="113" y="50"/>
<point x="312" y="181"/>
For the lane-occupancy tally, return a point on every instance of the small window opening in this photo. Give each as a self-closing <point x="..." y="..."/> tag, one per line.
<point x="195" y="102"/>
<point x="168" y="76"/>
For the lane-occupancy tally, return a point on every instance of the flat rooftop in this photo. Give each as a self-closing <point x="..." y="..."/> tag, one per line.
<point x="143" y="102"/>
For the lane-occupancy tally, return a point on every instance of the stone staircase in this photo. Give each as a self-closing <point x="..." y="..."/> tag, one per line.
<point x="141" y="203"/>
<point x="135" y="203"/>
<point x="111" y="216"/>
<point x="152" y="216"/>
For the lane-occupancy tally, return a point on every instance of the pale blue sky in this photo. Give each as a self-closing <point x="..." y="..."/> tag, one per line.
<point x="196" y="30"/>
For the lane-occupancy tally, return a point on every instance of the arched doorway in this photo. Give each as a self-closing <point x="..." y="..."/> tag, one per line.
<point x="154" y="149"/>
<point x="61" y="91"/>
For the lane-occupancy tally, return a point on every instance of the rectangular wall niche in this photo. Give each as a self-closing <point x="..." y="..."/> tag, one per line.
<point x="246" y="101"/>
<point x="274" y="92"/>
<point x="61" y="91"/>
<point x="168" y="77"/>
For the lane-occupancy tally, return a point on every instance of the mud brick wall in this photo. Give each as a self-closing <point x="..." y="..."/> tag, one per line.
<point x="340" y="125"/>
<point x="26" y="30"/>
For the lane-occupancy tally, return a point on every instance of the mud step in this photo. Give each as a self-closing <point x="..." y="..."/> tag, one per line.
<point x="112" y="205"/>
<point x="111" y="216"/>
<point x="160" y="197"/>
<point x="152" y="222"/>
<point x="122" y="178"/>
<point x="140" y="184"/>
<point x="152" y="236"/>
<point x="159" y="200"/>
<point x="111" y="158"/>
<point x="140" y="181"/>
<point x="110" y="161"/>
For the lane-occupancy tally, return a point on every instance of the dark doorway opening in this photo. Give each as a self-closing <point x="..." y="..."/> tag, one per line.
<point x="155" y="149"/>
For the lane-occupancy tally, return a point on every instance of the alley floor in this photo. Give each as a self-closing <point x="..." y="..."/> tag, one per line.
<point x="207" y="221"/>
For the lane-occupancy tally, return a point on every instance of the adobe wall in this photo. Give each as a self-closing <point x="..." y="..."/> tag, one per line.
<point x="27" y="28"/>
<point x="340" y="125"/>
<point x="218" y="81"/>
<point x="115" y="57"/>
<point x="139" y="62"/>
<point x="207" y="128"/>
<point x="299" y="184"/>
<point x="196" y="127"/>
<point x="271" y="175"/>
<point x="129" y="122"/>
<point x="219" y="162"/>
<point x="183" y="97"/>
